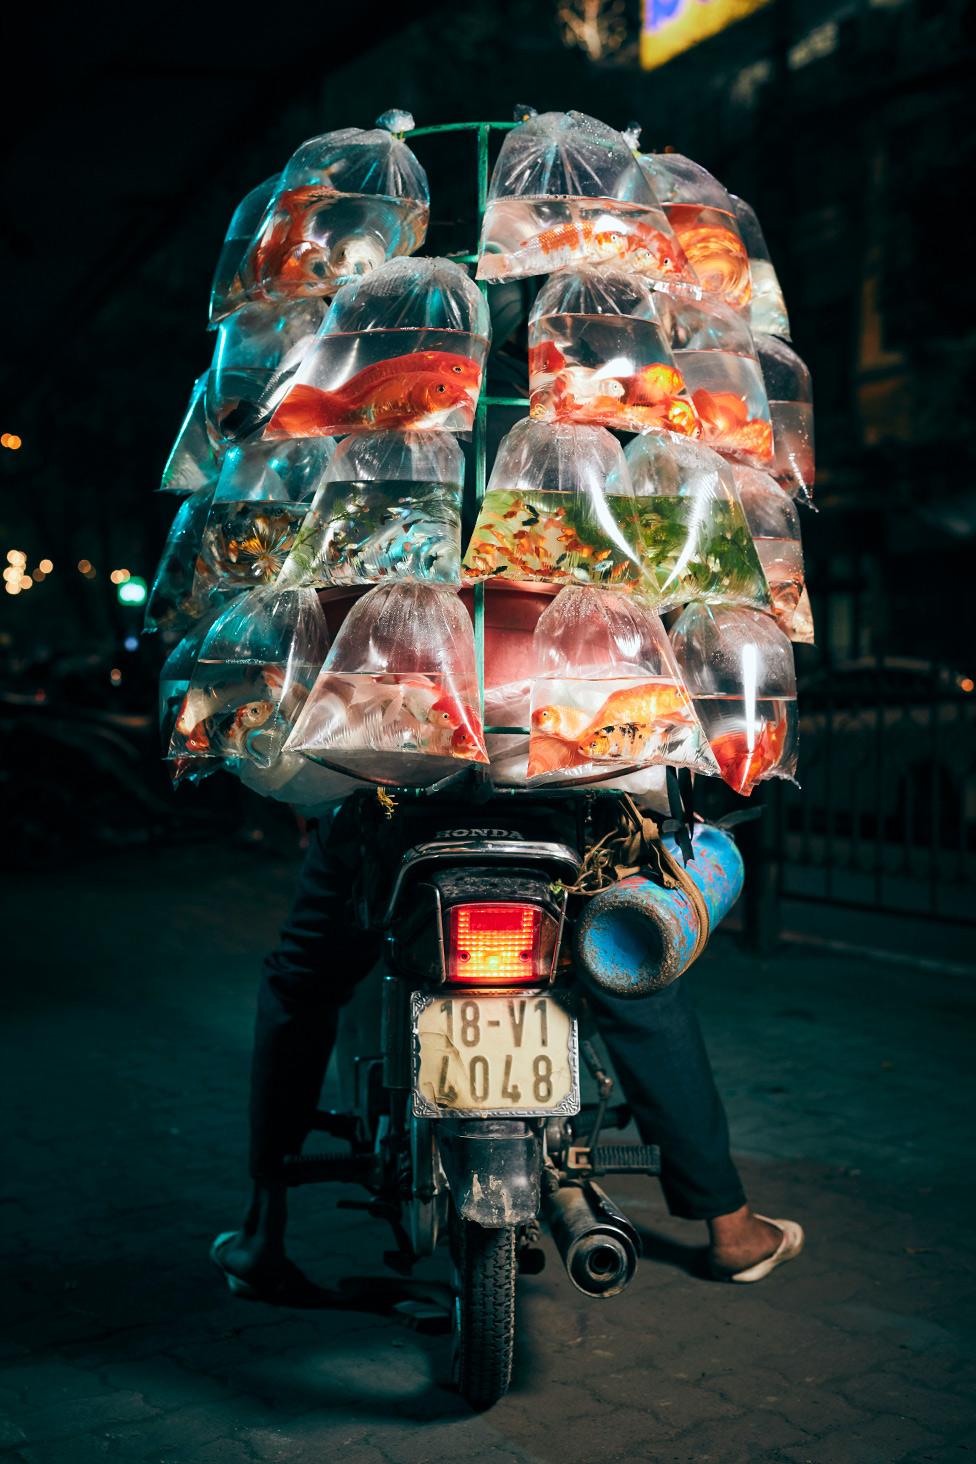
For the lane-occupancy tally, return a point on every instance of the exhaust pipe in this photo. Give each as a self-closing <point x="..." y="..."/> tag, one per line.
<point x="598" y="1244"/>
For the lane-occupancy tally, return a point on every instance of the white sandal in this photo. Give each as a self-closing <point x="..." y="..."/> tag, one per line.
<point x="787" y="1250"/>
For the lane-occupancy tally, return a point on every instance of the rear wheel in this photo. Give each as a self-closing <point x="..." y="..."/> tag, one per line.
<point x="484" y="1314"/>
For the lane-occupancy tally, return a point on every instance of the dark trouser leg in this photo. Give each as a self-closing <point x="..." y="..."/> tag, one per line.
<point x="657" y="1049"/>
<point x="319" y="958"/>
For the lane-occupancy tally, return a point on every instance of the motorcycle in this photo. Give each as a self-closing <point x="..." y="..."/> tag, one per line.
<point x="465" y="1122"/>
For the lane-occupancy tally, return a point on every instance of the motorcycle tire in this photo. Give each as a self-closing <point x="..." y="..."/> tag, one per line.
<point x="484" y="1313"/>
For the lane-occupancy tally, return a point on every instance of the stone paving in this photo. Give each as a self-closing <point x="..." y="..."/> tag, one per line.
<point x="129" y="992"/>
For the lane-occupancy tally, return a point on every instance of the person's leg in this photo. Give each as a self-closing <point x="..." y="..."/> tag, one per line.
<point x="656" y="1046"/>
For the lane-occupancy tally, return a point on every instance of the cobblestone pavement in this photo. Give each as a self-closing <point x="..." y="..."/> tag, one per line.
<point x="850" y="1090"/>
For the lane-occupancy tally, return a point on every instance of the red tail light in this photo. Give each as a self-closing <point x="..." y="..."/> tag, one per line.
<point x="498" y="945"/>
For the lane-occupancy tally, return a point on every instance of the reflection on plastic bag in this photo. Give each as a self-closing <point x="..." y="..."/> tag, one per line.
<point x="174" y="680"/>
<point x="567" y="190"/>
<point x="258" y="349"/>
<point x="738" y="667"/>
<point x="193" y="462"/>
<point x="346" y="202"/>
<point x="790" y="394"/>
<point x="801" y="630"/>
<point x="714" y="351"/>
<point x="547" y="515"/>
<point x="607" y="693"/>
<point x="767" y="308"/>
<point x="182" y="588"/>
<point x="389" y="507"/>
<point x="227" y="293"/>
<point x="258" y="507"/>
<point x="701" y="213"/>
<point x="404" y="347"/>
<point x="399" y="689"/>
<point x="775" y="527"/>
<point x="694" y="537"/>
<point x="599" y="355"/>
<point x="256" y="666"/>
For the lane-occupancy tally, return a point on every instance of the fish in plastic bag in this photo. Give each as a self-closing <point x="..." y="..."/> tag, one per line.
<point x="228" y="293"/>
<point x="258" y="349"/>
<point x="599" y="355"/>
<point x="703" y="218"/>
<point x="767" y="308"/>
<point x="607" y="692"/>
<point x="397" y="699"/>
<point x="346" y="202"/>
<point x="774" y="524"/>
<point x="389" y="507"/>
<point x="567" y="190"/>
<point x="547" y="515"/>
<point x="257" y="510"/>
<point x="174" y="683"/>
<point x="403" y="348"/>
<point x="790" y="393"/>
<point x="256" y="666"/>
<point x="694" y="536"/>
<point x="738" y="668"/>
<point x="194" y="461"/>
<point x="183" y="587"/>
<point x="714" y="351"/>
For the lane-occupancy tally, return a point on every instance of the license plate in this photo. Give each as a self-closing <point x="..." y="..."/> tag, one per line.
<point x="494" y="1055"/>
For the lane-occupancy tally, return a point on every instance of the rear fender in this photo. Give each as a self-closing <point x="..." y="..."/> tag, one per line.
<point x="493" y="1168"/>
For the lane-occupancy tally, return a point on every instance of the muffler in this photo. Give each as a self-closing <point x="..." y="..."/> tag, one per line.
<point x="598" y="1244"/>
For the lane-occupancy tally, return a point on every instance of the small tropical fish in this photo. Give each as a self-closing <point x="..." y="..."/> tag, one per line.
<point x="726" y="421"/>
<point x="743" y="760"/>
<point x="399" y="392"/>
<point x="639" y="244"/>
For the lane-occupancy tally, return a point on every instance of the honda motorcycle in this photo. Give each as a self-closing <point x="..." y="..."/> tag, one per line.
<point x="466" y="1125"/>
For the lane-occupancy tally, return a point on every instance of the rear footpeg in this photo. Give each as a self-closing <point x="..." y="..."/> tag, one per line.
<point x="319" y="1168"/>
<point x="614" y="1159"/>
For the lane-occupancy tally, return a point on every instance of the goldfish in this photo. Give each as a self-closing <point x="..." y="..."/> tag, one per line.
<point x="564" y="722"/>
<point x="716" y="254"/>
<point x="726" y="422"/>
<point x="621" y="727"/>
<point x="283" y="261"/>
<point x="458" y="730"/>
<point x="403" y="391"/>
<point x="661" y="390"/>
<point x="550" y="755"/>
<point x="196" y="718"/>
<point x="639" y="244"/>
<point x="545" y="359"/>
<point x="245" y="720"/>
<point x="744" y="759"/>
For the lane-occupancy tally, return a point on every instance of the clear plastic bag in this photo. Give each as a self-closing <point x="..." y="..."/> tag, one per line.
<point x="767" y="308"/>
<point x="174" y="681"/>
<point x="346" y="202"/>
<point x="567" y="190"/>
<point x="738" y="668"/>
<point x="802" y="631"/>
<point x="257" y="664"/>
<point x="714" y="351"/>
<point x="389" y="507"/>
<point x="694" y="537"/>
<point x="790" y="393"/>
<point x="183" y="587"/>
<point x="599" y="355"/>
<point x="403" y="348"/>
<point x="775" y="527"/>
<point x="193" y="462"/>
<point x="701" y="213"/>
<point x="258" y="507"/>
<point x="607" y="693"/>
<point x="547" y="515"/>
<point x="227" y="292"/>
<point x="258" y="350"/>
<point x="397" y="699"/>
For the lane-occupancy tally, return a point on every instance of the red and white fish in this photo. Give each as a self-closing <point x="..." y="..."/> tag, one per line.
<point x="744" y="757"/>
<point x="637" y="244"/>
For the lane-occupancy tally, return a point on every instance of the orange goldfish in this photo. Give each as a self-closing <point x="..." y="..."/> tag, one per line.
<point x="283" y="259"/>
<point x="400" y="392"/>
<point x="639" y="244"/>
<point x="545" y="359"/>
<point x="726" y="423"/>
<point x="716" y="254"/>
<point x="742" y="760"/>
<point x="458" y="727"/>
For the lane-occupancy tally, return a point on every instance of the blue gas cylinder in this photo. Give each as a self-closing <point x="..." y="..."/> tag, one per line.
<point x="636" y="937"/>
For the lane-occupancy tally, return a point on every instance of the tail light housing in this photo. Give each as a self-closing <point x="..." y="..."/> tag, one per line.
<point x="499" y="943"/>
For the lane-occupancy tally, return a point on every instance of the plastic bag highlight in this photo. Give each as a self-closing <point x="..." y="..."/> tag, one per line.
<point x="260" y="502"/>
<point x="694" y="536"/>
<point x="193" y="462"/>
<point x="547" y="515"/>
<point x="767" y="308"/>
<point x="258" y="350"/>
<point x="607" y="692"/>
<point x="790" y="394"/>
<point x="256" y="665"/>
<point x="774" y="524"/>
<point x="389" y="507"/>
<point x="403" y="348"/>
<point x="227" y="293"/>
<point x="599" y="355"/>
<point x="714" y="351"/>
<point x="738" y="668"/>
<point x="567" y="190"/>
<point x="702" y="215"/>
<point x="397" y="698"/>
<point x="182" y="588"/>
<point x="346" y="202"/>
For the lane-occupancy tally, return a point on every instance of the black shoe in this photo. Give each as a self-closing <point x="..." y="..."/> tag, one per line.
<point x="277" y="1283"/>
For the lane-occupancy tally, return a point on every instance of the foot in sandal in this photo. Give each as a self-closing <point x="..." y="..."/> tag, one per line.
<point x="745" y="1246"/>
